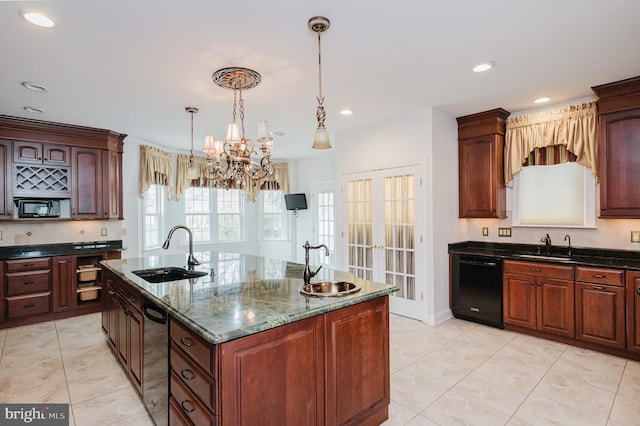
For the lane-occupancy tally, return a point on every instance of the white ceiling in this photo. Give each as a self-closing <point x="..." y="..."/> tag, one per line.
<point x="133" y="66"/>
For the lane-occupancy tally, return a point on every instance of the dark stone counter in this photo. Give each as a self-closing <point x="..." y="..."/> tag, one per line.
<point x="63" y="249"/>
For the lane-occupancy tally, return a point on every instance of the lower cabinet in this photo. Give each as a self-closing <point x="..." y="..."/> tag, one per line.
<point x="633" y="311"/>
<point x="331" y="369"/>
<point x="539" y="297"/>
<point x="27" y="289"/>
<point x="600" y="307"/>
<point x="63" y="280"/>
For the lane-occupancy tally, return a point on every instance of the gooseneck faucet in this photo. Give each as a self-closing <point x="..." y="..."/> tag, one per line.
<point x="547" y="243"/>
<point x="191" y="261"/>
<point x="307" y="274"/>
<point x="568" y="238"/>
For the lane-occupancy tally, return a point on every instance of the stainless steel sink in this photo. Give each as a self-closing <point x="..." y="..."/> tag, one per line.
<point x="161" y="275"/>
<point x="329" y="289"/>
<point x="545" y="257"/>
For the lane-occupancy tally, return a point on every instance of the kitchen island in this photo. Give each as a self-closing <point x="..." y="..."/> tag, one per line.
<point x="246" y="347"/>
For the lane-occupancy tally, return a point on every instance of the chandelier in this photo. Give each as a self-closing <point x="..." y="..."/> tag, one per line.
<point x="320" y="24"/>
<point x="229" y="162"/>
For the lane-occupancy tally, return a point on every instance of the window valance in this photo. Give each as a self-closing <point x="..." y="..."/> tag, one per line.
<point x="155" y="168"/>
<point x="575" y="128"/>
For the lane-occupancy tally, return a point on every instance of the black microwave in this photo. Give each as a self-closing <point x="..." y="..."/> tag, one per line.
<point x="38" y="208"/>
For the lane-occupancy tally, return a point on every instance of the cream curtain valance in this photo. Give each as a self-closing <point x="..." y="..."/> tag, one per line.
<point x="279" y="180"/>
<point x="155" y="169"/>
<point x="574" y="127"/>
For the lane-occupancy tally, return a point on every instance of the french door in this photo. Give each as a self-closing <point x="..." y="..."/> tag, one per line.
<point x="384" y="240"/>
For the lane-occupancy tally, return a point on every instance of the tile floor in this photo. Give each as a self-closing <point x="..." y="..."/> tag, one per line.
<point x="458" y="373"/>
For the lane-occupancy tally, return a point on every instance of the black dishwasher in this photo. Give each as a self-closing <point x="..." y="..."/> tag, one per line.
<point x="476" y="289"/>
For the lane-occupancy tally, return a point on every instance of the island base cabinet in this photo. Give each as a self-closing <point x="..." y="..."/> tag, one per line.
<point x="274" y="377"/>
<point x="357" y="358"/>
<point x="633" y="311"/>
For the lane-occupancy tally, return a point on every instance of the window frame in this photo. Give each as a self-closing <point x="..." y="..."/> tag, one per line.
<point x="160" y="192"/>
<point x="284" y="217"/>
<point x="215" y="214"/>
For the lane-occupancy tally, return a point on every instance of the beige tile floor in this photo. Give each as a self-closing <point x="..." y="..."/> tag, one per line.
<point x="458" y="373"/>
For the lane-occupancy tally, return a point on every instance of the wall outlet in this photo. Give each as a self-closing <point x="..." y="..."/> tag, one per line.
<point x="103" y="232"/>
<point x="485" y="231"/>
<point x="504" y="232"/>
<point x="635" y="236"/>
<point x="123" y="231"/>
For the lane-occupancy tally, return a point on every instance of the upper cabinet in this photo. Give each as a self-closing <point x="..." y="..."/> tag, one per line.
<point x="482" y="192"/>
<point x="51" y="160"/>
<point x="619" y="121"/>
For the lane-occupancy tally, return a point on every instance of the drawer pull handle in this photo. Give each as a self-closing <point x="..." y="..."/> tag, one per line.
<point x="28" y="282"/>
<point x="186" y="341"/>
<point x="536" y="270"/>
<point x="188" y="374"/>
<point x="111" y="292"/>
<point x="132" y="299"/>
<point x="29" y="306"/>
<point x="187" y="406"/>
<point x="599" y="276"/>
<point x="597" y="287"/>
<point x="639" y="289"/>
<point x="27" y="265"/>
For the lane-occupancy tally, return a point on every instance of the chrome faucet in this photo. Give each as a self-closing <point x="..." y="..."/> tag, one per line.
<point x="568" y="238"/>
<point x="191" y="261"/>
<point x="307" y="274"/>
<point x="547" y="243"/>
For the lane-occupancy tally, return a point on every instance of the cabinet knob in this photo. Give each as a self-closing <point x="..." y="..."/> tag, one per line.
<point x="599" y="276"/>
<point x="111" y="292"/>
<point x="187" y="406"/>
<point x="639" y="289"/>
<point x="186" y="341"/>
<point x="536" y="270"/>
<point x="603" y="208"/>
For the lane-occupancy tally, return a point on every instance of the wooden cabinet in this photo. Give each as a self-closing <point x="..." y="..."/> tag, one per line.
<point x="6" y="205"/>
<point x="27" y="287"/>
<point x="633" y="311"/>
<point x="87" y="184"/>
<point x="482" y="191"/>
<point x="619" y="150"/>
<point x="539" y="296"/>
<point x="600" y="307"/>
<point x="63" y="283"/>
<point x="128" y="323"/>
<point x="37" y="153"/>
<point x="330" y="369"/>
<point x="112" y="184"/>
<point x="109" y="308"/>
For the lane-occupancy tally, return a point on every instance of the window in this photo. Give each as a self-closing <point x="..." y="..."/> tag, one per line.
<point x="153" y="212"/>
<point x="274" y="215"/>
<point x="326" y="226"/>
<point x="554" y="195"/>
<point x="202" y="204"/>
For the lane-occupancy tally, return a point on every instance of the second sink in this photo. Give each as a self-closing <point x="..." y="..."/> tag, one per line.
<point x="544" y="257"/>
<point x="329" y="288"/>
<point x="161" y="275"/>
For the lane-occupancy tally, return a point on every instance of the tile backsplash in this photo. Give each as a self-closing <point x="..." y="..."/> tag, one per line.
<point x="27" y="233"/>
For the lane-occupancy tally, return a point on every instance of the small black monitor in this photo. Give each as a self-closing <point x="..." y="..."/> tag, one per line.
<point x="295" y="201"/>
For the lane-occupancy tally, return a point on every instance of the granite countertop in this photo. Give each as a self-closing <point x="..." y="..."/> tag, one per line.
<point x="580" y="256"/>
<point x="247" y="294"/>
<point x="62" y="249"/>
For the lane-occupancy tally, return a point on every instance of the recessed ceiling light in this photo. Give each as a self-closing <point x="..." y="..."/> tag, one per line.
<point x="36" y="87"/>
<point x="38" y="19"/>
<point x="33" y="110"/>
<point x="542" y="100"/>
<point x="484" y="66"/>
<point x="346" y="111"/>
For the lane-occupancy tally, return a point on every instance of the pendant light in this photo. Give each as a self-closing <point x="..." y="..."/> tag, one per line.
<point x="192" y="170"/>
<point x="320" y="24"/>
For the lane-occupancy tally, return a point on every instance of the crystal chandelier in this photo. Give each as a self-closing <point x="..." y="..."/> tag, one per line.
<point x="320" y="24"/>
<point x="229" y="162"/>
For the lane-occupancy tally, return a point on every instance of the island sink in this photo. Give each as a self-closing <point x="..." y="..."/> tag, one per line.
<point x="161" y="275"/>
<point x="329" y="289"/>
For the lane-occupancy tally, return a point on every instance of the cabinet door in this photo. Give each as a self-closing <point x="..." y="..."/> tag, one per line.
<point x="112" y="184"/>
<point x="6" y="206"/>
<point x="519" y="298"/>
<point x="56" y="154"/>
<point x="259" y="370"/>
<point x="63" y="283"/>
<point x="121" y="335"/>
<point x="27" y="152"/>
<point x="633" y="311"/>
<point x="86" y="202"/>
<point x="619" y="171"/>
<point x="481" y="181"/>
<point x="363" y="366"/>
<point x="2" y="293"/>
<point x="555" y="307"/>
<point x="600" y="314"/>
<point x="135" y="337"/>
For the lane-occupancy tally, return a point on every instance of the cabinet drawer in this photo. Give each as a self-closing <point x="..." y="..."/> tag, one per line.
<point x="193" y="377"/>
<point x="27" y="264"/>
<point x="194" y="346"/>
<point x="131" y="296"/>
<point x="189" y="404"/>
<point x="538" y="269"/>
<point x="21" y="306"/>
<point x="600" y="276"/>
<point x="176" y="416"/>
<point x="27" y="282"/>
